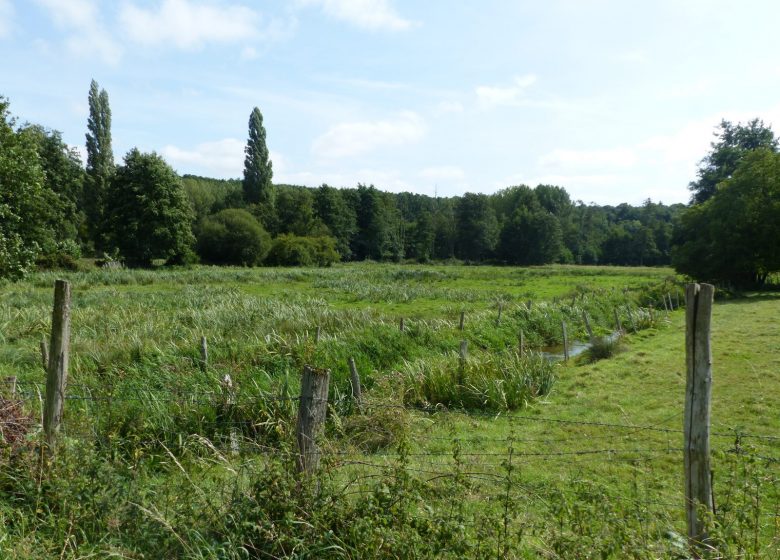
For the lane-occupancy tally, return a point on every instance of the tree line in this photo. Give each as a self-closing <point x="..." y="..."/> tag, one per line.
<point x="54" y="210"/>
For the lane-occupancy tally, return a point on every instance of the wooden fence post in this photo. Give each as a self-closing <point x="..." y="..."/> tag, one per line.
<point x="401" y="324"/>
<point x="312" y="408"/>
<point x="462" y="320"/>
<point x="521" y="343"/>
<point x="618" y="326"/>
<point x="228" y="411"/>
<point x="317" y="335"/>
<point x="11" y="382"/>
<point x="565" y="342"/>
<point x="698" y="388"/>
<point x="671" y="303"/>
<point x="530" y="305"/>
<point x="587" y="326"/>
<point x="204" y="353"/>
<point x="651" y="311"/>
<point x="44" y="354"/>
<point x="354" y="379"/>
<point x="666" y="305"/>
<point x="57" y="374"/>
<point x="498" y="319"/>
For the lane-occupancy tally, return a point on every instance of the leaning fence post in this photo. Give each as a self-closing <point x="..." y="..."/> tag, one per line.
<point x="666" y="305"/>
<point x="57" y="374"/>
<point x="671" y="303"/>
<point x="565" y="342"/>
<point x="698" y="388"/>
<point x="204" y="353"/>
<point x="587" y="326"/>
<point x="354" y="379"/>
<point x="312" y="408"/>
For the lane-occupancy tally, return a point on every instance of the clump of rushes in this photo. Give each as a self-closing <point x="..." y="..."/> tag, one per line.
<point x="487" y="381"/>
<point x="602" y="348"/>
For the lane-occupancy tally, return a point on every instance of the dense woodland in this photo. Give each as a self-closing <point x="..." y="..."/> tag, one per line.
<point x="54" y="210"/>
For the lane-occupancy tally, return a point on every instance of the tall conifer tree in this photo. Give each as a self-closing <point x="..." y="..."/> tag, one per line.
<point x="100" y="163"/>
<point x="258" y="172"/>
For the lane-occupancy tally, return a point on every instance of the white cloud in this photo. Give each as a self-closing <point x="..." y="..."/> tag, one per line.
<point x="89" y="37"/>
<point x="6" y="18"/>
<point x="448" y="107"/>
<point x="443" y="173"/>
<point x="618" y="157"/>
<point x="223" y="158"/>
<point x="188" y="24"/>
<point x="355" y="138"/>
<point x="365" y="14"/>
<point x="249" y="53"/>
<point x="489" y="96"/>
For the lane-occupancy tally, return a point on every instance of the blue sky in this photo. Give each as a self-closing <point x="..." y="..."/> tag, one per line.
<point x="615" y="100"/>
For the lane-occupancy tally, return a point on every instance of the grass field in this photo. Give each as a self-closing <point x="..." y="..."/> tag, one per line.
<point x="576" y="460"/>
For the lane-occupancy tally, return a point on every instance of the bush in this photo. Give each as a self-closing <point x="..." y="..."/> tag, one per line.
<point x="233" y="236"/>
<point x="293" y="250"/>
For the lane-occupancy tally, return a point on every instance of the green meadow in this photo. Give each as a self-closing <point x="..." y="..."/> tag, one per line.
<point x="501" y="453"/>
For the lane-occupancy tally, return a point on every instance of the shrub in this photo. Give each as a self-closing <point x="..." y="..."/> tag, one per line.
<point x="293" y="250"/>
<point x="233" y="236"/>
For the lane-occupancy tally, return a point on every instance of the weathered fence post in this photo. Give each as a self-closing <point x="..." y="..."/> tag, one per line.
<point x="401" y="324"/>
<point x="587" y="326"/>
<point x="618" y="326"/>
<point x="565" y="342"/>
<point x="462" y="320"/>
<point x="11" y="382"/>
<point x="228" y="411"/>
<point x="317" y="335"/>
<point x="312" y="408"/>
<point x="500" y="308"/>
<point x="698" y="388"/>
<point x="671" y="303"/>
<point x="44" y="354"/>
<point x="204" y="353"/>
<point x="464" y="352"/>
<point x="529" y="304"/>
<point x="666" y="305"/>
<point x="57" y="374"/>
<point x="354" y="379"/>
<point x="521" y="343"/>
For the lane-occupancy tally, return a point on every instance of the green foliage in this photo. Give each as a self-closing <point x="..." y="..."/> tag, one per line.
<point x="734" y="142"/>
<point x="476" y="228"/>
<point x="496" y="381"/>
<point x="734" y="236"/>
<point x="149" y="214"/>
<point x="209" y="196"/>
<point x="233" y="236"/>
<point x="258" y="170"/>
<point x="100" y="164"/>
<point x="23" y="211"/>
<point x="292" y="250"/>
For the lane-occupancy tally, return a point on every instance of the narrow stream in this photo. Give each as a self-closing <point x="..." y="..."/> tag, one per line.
<point x="576" y="348"/>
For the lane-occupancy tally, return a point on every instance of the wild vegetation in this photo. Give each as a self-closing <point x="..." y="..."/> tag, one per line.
<point x="500" y="455"/>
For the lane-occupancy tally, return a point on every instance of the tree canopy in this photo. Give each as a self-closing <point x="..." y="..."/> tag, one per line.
<point x="258" y="169"/>
<point x="734" y="236"/>
<point x="733" y="143"/>
<point x="148" y="214"/>
<point x="100" y="162"/>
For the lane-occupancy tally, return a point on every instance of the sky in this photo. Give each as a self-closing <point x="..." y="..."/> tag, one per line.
<point x="614" y="100"/>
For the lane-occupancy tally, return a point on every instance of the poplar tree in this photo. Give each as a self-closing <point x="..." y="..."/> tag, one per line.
<point x="100" y="163"/>
<point x="258" y="172"/>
